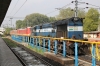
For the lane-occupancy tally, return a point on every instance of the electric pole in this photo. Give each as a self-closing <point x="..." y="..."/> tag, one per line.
<point x="11" y="22"/>
<point x="76" y="8"/>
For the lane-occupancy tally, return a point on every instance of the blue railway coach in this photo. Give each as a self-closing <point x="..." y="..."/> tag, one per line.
<point x="45" y="30"/>
<point x="65" y="28"/>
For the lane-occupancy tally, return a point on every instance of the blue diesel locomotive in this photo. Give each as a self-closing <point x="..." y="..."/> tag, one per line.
<point x="65" y="28"/>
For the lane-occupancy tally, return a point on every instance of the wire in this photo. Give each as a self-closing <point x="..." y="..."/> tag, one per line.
<point x="51" y="12"/>
<point x="59" y="9"/>
<point x="15" y="17"/>
<point x="88" y="4"/>
<point x="19" y="8"/>
<point x="67" y="5"/>
<point x="14" y="7"/>
<point x="93" y="5"/>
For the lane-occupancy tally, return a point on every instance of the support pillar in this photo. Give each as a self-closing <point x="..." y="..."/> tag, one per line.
<point x="48" y="45"/>
<point x="64" y="49"/>
<point x="76" y="54"/>
<point x="25" y="39"/>
<point x="93" y="56"/>
<point x="30" y="41"/>
<point x="33" y="43"/>
<point x="55" y="46"/>
<point x="36" y="42"/>
<point x="20" y="38"/>
<point x="44" y="45"/>
<point x="39" y="43"/>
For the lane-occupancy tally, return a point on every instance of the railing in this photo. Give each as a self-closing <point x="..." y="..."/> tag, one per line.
<point x="38" y="40"/>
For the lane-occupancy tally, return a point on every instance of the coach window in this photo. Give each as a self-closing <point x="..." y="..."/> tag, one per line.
<point x="40" y="27"/>
<point x="53" y="30"/>
<point x="39" y="31"/>
<point x="34" y="29"/>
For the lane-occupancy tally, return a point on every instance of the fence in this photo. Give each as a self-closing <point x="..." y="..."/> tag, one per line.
<point x="38" y="40"/>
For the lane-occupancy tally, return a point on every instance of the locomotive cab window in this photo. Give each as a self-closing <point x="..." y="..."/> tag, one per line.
<point x="40" y="27"/>
<point x="39" y="31"/>
<point x="53" y="31"/>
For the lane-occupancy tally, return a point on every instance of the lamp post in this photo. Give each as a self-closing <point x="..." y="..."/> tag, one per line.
<point x="11" y="22"/>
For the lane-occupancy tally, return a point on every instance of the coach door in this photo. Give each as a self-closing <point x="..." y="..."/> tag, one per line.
<point x="61" y="31"/>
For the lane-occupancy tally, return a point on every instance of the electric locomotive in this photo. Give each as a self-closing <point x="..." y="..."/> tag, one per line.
<point x="65" y="28"/>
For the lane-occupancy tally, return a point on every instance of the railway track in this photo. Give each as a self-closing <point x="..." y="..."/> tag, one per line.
<point x="29" y="59"/>
<point x="19" y="58"/>
<point x="28" y="52"/>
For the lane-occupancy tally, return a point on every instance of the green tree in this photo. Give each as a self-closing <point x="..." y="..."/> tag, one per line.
<point x="19" y="24"/>
<point x="91" y="20"/>
<point x="36" y="18"/>
<point x="52" y="19"/>
<point x="81" y="13"/>
<point x="7" y="31"/>
<point x="65" y="13"/>
<point x="68" y="13"/>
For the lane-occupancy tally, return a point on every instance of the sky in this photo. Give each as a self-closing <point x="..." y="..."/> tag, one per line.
<point x="46" y="7"/>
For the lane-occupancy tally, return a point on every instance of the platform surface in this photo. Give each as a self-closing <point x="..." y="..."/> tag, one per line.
<point x="7" y="58"/>
<point x="59" y="58"/>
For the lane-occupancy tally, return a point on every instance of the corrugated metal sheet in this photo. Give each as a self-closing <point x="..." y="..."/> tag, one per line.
<point x="4" y="5"/>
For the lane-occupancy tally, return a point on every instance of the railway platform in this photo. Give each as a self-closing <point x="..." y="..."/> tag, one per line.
<point x="35" y="41"/>
<point x="7" y="58"/>
<point x="59" y="58"/>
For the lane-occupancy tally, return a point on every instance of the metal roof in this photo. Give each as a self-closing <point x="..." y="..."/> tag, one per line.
<point x="67" y="20"/>
<point x="4" y="5"/>
<point x="92" y="32"/>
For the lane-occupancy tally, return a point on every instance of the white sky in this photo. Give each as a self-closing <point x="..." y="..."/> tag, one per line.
<point x="40" y="6"/>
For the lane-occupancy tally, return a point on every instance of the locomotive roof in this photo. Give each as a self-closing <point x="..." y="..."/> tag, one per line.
<point x="65" y="21"/>
<point x="59" y="22"/>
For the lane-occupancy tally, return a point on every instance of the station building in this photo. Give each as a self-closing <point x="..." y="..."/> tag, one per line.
<point x="2" y="30"/>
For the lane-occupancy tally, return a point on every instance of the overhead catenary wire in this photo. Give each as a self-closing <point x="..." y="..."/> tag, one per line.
<point x="19" y="8"/>
<point x="15" y="17"/>
<point x="13" y="8"/>
<point x="92" y="5"/>
<point x="51" y="12"/>
<point x="70" y="4"/>
<point x="60" y="8"/>
<point x="66" y="5"/>
<point x="89" y="4"/>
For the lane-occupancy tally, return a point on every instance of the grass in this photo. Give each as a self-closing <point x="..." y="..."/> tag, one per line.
<point x="14" y="44"/>
<point x="2" y="35"/>
<point x="10" y="42"/>
<point x="38" y="50"/>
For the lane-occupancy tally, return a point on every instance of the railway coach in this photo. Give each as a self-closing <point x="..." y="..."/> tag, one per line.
<point x="27" y="31"/>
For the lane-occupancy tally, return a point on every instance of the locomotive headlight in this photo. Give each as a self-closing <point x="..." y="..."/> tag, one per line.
<point x="76" y="18"/>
